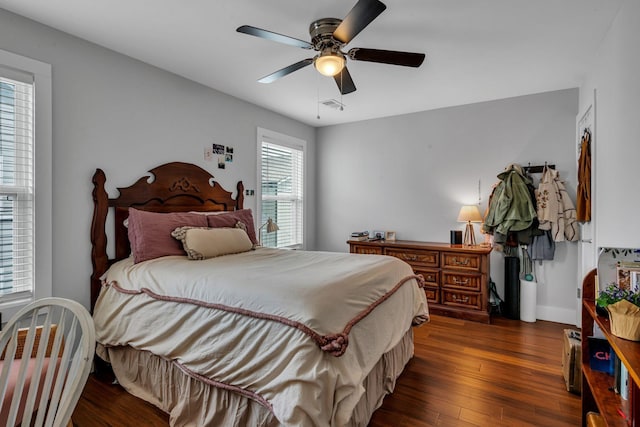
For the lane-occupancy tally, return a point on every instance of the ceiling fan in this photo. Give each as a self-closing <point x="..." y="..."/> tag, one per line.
<point x="328" y="38"/>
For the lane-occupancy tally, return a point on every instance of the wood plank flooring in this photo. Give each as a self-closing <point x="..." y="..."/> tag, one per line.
<point x="463" y="374"/>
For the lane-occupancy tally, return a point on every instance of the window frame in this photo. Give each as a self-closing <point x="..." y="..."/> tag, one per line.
<point x="42" y="176"/>
<point x="269" y="136"/>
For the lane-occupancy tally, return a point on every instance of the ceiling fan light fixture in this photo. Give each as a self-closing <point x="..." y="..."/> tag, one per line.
<point x="329" y="64"/>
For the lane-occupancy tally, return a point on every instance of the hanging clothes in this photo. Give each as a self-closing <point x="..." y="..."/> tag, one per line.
<point x="510" y="207"/>
<point x="583" y="192"/>
<point x="542" y="248"/>
<point x="556" y="211"/>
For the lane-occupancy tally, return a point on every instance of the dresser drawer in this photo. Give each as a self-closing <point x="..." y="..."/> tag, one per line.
<point x="431" y="276"/>
<point x="456" y="277"/>
<point x="461" y="280"/>
<point x="458" y="261"/>
<point x="433" y="294"/>
<point x="366" y="249"/>
<point x="464" y="299"/>
<point x="415" y="257"/>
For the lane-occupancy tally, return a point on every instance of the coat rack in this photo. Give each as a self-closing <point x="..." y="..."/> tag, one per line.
<point x="537" y="168"/>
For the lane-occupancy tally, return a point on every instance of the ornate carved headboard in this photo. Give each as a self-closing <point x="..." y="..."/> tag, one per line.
<point x="172" y="187"/>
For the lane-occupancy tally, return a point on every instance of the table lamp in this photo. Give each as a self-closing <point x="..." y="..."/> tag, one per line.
<point x="469" y="214"/>
<point x="271" y="227"/>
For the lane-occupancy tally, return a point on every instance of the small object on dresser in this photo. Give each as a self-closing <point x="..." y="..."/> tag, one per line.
<point x="390" y="235"/>
<point x="377" y="235"/>
<point x="359" y="235"/>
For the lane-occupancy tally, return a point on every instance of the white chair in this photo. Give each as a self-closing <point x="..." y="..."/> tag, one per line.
<point x="46" y="352"/>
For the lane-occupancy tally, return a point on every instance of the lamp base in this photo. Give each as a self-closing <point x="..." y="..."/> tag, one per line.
<point x="469" y="237"/>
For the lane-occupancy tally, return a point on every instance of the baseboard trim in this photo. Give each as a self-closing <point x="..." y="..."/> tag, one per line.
<point x="556" y="314"/>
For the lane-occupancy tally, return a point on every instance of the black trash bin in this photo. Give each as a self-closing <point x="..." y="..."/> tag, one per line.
<point x="512" y="287"/>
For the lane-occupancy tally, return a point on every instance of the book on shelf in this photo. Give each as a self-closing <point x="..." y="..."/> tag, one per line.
<point x="620" y="378"/>
<point x="601" y="357"/>
<point x="359" y="238"/>
<point x="616" y="372"/>
<point x="624" y="382"/>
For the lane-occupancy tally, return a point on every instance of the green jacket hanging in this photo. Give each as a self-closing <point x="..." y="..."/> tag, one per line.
<point x="511" y="207"/>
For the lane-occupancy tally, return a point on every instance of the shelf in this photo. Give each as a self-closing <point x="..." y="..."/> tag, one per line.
<point x="597" y="387"/>
<point x="608" y="402"/>
<point x="627" y="351"/>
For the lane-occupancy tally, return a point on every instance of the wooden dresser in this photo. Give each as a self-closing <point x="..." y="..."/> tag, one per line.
<point x="456" y="276"/>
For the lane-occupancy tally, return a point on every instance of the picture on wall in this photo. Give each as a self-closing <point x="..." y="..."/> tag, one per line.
<point x="208" y="154"/>
<point x="224" y="154"/>
<point x="218" y="149"/>
<point x="615" y="265"/>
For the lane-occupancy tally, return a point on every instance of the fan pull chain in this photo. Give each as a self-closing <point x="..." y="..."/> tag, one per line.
<point x="341" y="89"/>
<point x="318" y="96"/>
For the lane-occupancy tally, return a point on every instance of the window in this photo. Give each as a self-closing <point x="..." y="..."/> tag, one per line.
<point x="25" y="192"/>
<point x="16" y="188"/>
<point x="281" y="190"/>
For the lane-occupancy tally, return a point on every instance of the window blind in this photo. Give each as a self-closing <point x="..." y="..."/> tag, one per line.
<point x="16" y="188"/>
<point x="282" y="187"/>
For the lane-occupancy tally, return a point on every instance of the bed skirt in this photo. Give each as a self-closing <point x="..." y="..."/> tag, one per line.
<point x="190" y="402"/>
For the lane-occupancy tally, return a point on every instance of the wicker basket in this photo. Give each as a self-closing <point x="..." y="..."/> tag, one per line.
<point x="22" y="339"/>
<point x="625" y="320"/>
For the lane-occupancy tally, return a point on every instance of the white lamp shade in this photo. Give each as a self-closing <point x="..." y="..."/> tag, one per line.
<point x="469" y="213"/>
<point x="272" y="226"/>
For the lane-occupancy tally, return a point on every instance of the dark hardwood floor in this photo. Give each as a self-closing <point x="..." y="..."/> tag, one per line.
<point x="463" y="374"/>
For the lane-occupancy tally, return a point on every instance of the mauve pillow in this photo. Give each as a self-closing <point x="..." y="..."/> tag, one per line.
<point x="229" y="220"/>
<point x="150" y="232"/>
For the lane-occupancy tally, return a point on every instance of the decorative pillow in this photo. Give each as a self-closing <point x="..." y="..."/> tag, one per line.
<point x="150" y="232"/>
<point x="203" y="243"/>
<point x="229" y="220"/>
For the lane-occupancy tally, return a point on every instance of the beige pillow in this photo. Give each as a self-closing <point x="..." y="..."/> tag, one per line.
<point x="203" y="243"/>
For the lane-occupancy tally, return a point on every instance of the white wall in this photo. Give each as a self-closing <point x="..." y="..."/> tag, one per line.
<point x="408" y="173"/>
<point x="126" y="117"/>
<point x="615" y="77"/>
<point x="412" y="173"/>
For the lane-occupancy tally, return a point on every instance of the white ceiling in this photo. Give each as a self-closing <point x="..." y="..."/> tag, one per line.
<point x="477" y="50"/>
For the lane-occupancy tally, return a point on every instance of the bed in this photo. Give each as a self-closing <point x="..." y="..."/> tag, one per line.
<point x="220" y="336"/>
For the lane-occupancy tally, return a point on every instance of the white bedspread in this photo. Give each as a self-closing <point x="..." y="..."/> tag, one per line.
<point x="274" y="362"/>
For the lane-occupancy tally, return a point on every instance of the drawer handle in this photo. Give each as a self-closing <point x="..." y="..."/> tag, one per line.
<point x="463" y="299"/>
<point x="455" y="261"/>
<point x="460" y="282"/>
<point x="411" y="257"/>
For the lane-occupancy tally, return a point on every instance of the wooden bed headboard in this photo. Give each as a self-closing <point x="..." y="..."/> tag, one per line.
<point x="172" y="187"/>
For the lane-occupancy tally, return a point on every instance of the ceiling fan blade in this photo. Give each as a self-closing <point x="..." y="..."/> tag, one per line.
<point x="394" y="57"/>
<point x="274" y="37"/>
<point x="345" y="82"/>
<point x="361" y="15"/>
<point x="286" y="70"/>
